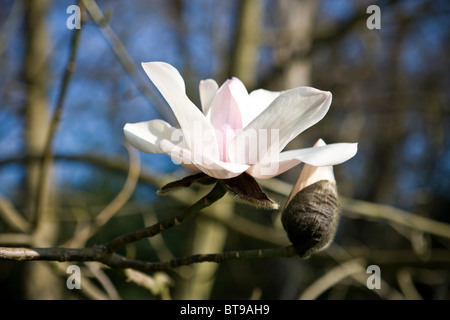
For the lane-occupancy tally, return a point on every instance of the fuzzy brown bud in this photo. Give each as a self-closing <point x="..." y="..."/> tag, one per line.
<point x="311" y="214"/>
<point x="311" y="217"/>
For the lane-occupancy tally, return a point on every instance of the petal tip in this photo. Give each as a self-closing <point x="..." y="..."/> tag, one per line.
<point x="328" y="96"/>
<point x="320" y="143"/>
<point x="126" y="127"/>
<point x="145" y="65"/>
<point x="355" y="148"/>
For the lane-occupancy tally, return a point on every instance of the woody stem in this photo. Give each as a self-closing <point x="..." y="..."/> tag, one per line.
<point x="214" y="195"/>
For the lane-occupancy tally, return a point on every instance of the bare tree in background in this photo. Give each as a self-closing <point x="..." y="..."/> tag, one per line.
<point x="389" y="94"/>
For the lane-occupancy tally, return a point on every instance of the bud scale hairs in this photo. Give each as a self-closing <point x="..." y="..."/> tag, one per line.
<point x="311" y="217"/>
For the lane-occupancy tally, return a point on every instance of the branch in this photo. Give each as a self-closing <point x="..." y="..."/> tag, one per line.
<point x="125" y="59"/>
<point x="15" y="238"/>
<point x="406" y="284"/>
<point x="391" y="214"/>
<point x="333" y="277"/>
<point x="342" y="256"/>
<point x="249" y="228"/>
<point x="215" y="194"/>
<point x="288" y="251"/>
<point x="351" y="208"/>
<point x="47" y="157"/>
<point x="52" y="254"/>
<point x="157" y="284"/>
<point x="10" y="25"/>
<point x="14" y="219"/>
<point x="114" y="260"/>
<point x="106" y="162"/>
<point x="96" y="270"/>
<point x="100" y="254"/>
<point x="359" y="208"/>
<point x="114" y="206"/>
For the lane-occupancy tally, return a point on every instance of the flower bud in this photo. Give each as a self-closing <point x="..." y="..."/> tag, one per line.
<point x="311" y="214"/>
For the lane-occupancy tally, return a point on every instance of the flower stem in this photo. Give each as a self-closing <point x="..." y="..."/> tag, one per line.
<point x="215" y="194"/>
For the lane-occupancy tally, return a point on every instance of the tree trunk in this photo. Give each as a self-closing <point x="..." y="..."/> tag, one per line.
<point x="40" y="281"/>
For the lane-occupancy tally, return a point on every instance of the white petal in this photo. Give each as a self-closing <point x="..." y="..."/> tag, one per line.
<point x="220" y="169"/>
<point x="146" y="136"/>
<point x="260" y="99"/>
<point x="289" y="114"/>
<point x="208" y="89"/>
<point x="309" y="175"/>
<point x="192" y="121"/>
<point x="312" y="174"/>
<point x="328" y="155"/>
<point x="157" y="136"/>
<point x="200" y="162"/>
<point x="272" y="169"/>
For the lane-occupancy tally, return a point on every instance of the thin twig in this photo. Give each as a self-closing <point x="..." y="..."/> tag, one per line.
<point x="398" y="216"/>
<point x="103" y="279"/>
<point x="215" y="194"/>
<point x="106" y="162"/>
<point x="341" y="255"/>
<point x="351" y="208"/>
<point x="332" y="277"/>
<point x="15" y="239"/>
<point x="47" y="158"/>
<point x="114" y="206"/>
<point x="90" y="287"/>
<point x="10" y="25"/>
<point x="125" y="59"/>
<point x="157" y="284"/>
<point x="250" y="228"/>
<point x="13" y="217"/>
<point x="288" y="251"/>
<point x="358" y="208"/>
<point x="406" y="284"/>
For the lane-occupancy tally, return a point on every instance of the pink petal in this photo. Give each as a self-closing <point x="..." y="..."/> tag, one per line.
<point x="226" y="113"/>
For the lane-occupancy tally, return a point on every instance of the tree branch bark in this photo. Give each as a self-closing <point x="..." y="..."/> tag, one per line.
<point x="215" y="194"/>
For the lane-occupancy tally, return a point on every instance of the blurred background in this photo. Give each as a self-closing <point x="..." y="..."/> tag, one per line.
<point x="390" y="94"/>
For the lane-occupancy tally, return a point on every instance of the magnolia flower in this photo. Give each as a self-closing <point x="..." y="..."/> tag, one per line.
<point x="311" y="214"/>
<point x="235" y="132"/>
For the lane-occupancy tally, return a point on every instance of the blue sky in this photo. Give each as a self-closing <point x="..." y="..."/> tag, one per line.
<point x="102" y="97"/>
